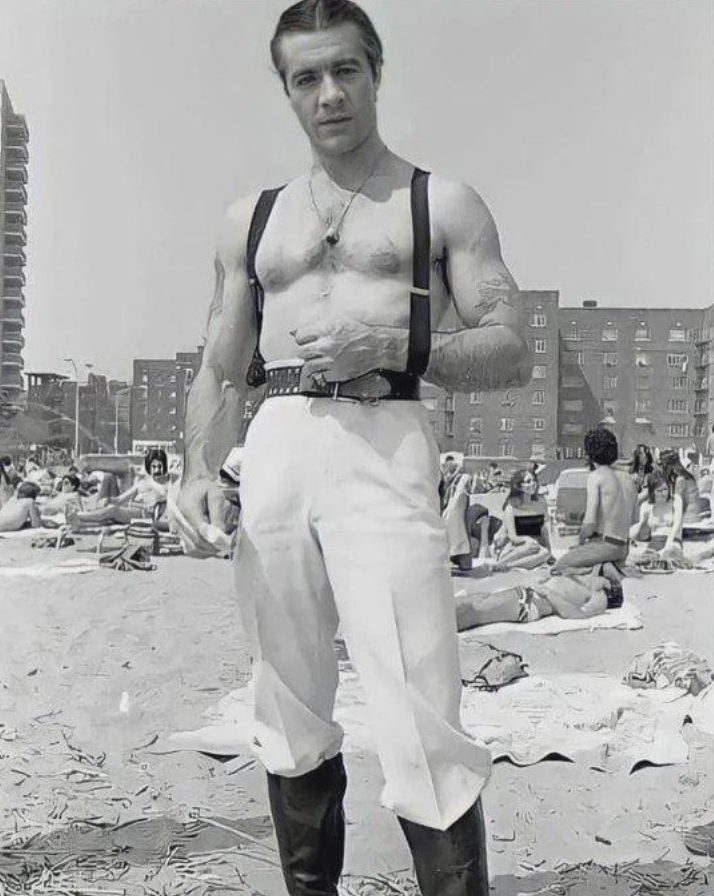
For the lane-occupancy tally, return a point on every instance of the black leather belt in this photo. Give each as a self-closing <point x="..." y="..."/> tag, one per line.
<point x="377" y="385"/>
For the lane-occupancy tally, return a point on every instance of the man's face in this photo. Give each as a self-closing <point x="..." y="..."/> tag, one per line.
<point x="156" y="468"/>
<point x="331" y="87"/>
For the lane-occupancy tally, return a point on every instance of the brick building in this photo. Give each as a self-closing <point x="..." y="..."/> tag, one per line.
<point x="645" y="372"/>
<point x="639" y="367"/>
<point x="516" y="423"/>
<point x="13" y="218"/>
<point x="158" y="397"/>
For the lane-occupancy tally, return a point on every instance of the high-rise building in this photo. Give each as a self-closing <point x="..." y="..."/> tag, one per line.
<point x="13" y="218"/>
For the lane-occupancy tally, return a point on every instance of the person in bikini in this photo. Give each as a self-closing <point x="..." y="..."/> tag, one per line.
<point x="335" y="291"/>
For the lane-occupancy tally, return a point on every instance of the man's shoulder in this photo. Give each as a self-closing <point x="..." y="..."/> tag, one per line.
<point x="457" y="208"/>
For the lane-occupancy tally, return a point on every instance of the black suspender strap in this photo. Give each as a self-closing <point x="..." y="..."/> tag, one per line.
<point x="419" y="309"/>
<point x="261" y="213"/>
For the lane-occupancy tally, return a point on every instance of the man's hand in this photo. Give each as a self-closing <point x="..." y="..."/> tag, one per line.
<point x="199" y="514"/>
<point x="342" y="348"/>
<point x="587" y="530"/>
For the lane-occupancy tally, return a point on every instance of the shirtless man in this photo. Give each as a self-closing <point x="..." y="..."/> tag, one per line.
<point x="610" y="510"/>
<point x="340" y="471"/>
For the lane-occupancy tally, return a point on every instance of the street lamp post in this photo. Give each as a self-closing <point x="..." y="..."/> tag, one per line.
<point x="116" y="416"/>
<point x="76" y="404"/>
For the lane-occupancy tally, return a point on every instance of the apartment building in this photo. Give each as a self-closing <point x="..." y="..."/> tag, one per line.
<point x="513" y="423"/>
<point x="13" y="218"/>
<point x="639" y="370"/>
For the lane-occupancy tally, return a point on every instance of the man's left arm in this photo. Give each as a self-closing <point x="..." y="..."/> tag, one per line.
<point x="490" y="351"/>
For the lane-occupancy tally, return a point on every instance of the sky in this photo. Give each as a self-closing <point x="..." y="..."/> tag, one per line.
<point x="586" y="125"/>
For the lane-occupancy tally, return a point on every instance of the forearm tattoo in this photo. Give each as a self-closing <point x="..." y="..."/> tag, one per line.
<point x="487" y="358"/>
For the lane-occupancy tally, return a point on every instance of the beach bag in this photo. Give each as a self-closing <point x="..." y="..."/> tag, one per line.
<point x="669" y="665"/>
<point x="492" y="668"/>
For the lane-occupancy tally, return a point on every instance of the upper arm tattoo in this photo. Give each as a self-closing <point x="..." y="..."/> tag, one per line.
<point x="498" y="290"/>
<point x="219" y="290"/>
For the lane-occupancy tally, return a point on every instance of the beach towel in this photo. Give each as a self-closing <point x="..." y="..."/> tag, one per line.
<point x="625" y="618"/>
<point x="45" y="572"/>
<point x="593" y="720"/>
<point x="130" y="558"/>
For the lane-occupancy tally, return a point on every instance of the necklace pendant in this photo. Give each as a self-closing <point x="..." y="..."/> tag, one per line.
<point x="332" y="237"/>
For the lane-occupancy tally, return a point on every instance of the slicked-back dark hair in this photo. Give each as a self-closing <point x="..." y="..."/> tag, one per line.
<point x="318" y="15"/>
<point x="601" y="446"/>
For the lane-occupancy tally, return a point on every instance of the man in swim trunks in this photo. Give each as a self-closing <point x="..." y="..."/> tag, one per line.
<point x="358" y="265"/>
<point x="610" y="511"/>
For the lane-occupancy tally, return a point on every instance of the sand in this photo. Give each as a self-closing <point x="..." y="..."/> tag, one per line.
<point x="94" y="667"/>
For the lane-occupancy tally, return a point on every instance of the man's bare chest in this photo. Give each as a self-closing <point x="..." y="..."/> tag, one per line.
<point x="374" y="239"/>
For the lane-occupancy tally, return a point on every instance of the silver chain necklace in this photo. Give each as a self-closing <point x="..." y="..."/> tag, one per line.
<point x="332" y="234"/>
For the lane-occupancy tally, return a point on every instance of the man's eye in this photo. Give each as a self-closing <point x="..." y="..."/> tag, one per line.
<point x="304" y="80"/>
<point x="346" y="71"/>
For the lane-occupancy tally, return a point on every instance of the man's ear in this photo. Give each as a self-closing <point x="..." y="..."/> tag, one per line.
<point x="377" y="79"/>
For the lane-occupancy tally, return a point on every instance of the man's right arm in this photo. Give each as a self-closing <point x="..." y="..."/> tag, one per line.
<point x="215" y="403"/>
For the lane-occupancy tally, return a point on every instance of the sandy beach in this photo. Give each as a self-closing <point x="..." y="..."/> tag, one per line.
<point x="98" y="666"/>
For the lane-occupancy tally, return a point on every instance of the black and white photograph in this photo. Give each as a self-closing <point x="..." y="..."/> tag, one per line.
<point x="356" y="447"/>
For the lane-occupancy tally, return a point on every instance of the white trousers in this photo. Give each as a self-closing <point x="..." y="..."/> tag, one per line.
<point x="341" y="523"/>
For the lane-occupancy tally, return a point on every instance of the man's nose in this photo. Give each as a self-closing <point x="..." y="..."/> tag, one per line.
<point x="330" y="91"/>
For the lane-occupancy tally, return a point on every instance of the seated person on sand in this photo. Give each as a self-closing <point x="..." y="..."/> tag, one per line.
<point x="21" y="511"/>
<point x="660" y="522"/>
<point x="683" y="484"/>
<point x="642" y="466"/>
<point x="570" y="597"/>
<point x="9" y="479"/>
<point x="496" y="478"/>
<point x="146" y="499"/>
<point x="523" y="541"/>
<point x="610" y="509"/>
<point x="54" y="509"/>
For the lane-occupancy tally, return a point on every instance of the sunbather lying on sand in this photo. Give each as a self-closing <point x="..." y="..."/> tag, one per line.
<point x="570" y="597"/>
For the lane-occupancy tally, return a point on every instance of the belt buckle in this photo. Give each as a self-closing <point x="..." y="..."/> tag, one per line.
<point x="335" y="395"/>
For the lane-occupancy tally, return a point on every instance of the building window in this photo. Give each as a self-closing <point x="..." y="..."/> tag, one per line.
<point x="680" y="382"/>
<point x="449" y="403"/>
<point x="506" y="448"/>
<point x="539" y="321"/>
<point x="476" y="398"/>
<point x="574" y="404"/>
<point x="540" y="372"/>
<point x="538" y="424"/>
<point x="642" y="359"/>
<point x="538" y="397"/>
<point x="642" y="333"/>
<point x="679" y="429"/>
<point x="700" y="406"/>
<point x="677" y="334"/>
<point x="609" y="382"/>
<point x="643" y="405"/>
<point x="475" y="449"/>
<point x="677" y="405"/>
<point x="572" y="429"/>
<point x="537" y="450"/>
<point x="574" y="335"/>
<point x="507" y="424"/>
<point x="609" y="359"/>
<point x="449" y="423"/>
<point x="676" y="360"/>
<point x="475" y="424"/>
<point x="609" y="334"/>
<point x="541" y="346"/>
<point x="609" y="407"/>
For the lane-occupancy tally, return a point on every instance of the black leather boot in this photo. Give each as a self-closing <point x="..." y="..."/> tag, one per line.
<point x="310" y="827"/>
<point x="450" y="862"/>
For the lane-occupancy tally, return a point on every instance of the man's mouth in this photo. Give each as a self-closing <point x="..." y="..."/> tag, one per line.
<point x="330" y="121"/>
